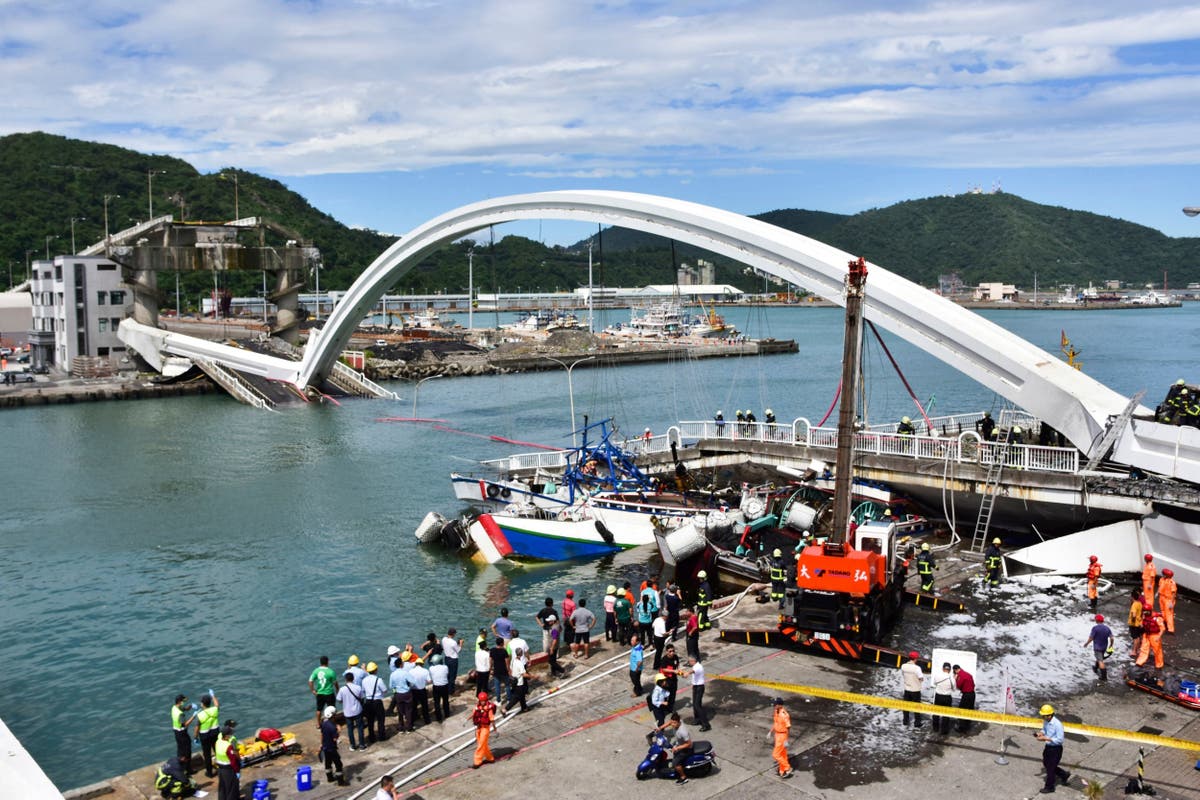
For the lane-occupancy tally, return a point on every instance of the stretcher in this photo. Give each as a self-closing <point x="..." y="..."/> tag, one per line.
<point x="267" y="744"/>
<point x="1172" y="688"/>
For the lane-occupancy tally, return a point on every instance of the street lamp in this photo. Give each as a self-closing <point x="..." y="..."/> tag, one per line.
<point x="49" y="238"/>
<point x="570" y="389"/>
<point x="150" y="173"/>
<point x="28" y="253"/>
<point x="107" y="197"/>
<point x="591" y="324"/>
<point x="73" y="221"/>
<point x="417" y="388"/>
<point x="317" y="272"/>
<point x="225" y="176"/>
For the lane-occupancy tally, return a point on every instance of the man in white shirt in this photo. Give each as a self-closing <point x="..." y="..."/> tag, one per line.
<point x="418" y="678"/>
<point x="696" y="670"/>
<point x="659" y="629"/>
<point x="520" y="679"/>
<point x="943" y="684"/>
<point x="912" y="679"/>
<point x="451" y="647"/>
<point x="387" y="788"/>
<point x="517" y="643"/>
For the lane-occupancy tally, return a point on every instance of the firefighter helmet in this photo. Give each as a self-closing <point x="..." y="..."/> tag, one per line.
<point x="777" y="553"/>
<point x="1149" y="558"/>
<point x="1168" y="573"/>
<point x="905" y="419"/>
<point x="996" y="540"/>
<point x="701" y="574"/>
<point x="925" y="547"/>
<point x="1093" y="559"/>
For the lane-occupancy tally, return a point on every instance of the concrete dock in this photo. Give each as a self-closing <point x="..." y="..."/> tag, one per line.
<point x="585" y="735"/>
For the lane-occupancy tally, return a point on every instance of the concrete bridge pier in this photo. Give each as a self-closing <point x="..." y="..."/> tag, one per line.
<point x="145" y="295"/>
<point x="287" y="302"/>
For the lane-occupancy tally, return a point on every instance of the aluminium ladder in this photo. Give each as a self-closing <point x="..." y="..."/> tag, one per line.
<point x="988" y="501"/>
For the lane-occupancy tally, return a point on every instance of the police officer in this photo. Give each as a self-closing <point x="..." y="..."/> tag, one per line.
<point x="778" y="577"/>
<point x="991" y="562"/>
<point x="925" y="567"/>
<point x="905" y="428"/>
<point x="229" y="766"/>
<point x="179" y="724"/>
<point x="703" y="599"/>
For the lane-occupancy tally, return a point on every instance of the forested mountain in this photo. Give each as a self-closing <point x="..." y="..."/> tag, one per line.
<point x="46" y="181"/>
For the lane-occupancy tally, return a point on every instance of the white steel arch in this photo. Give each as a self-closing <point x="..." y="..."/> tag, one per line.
<point x="1073" y="403"/>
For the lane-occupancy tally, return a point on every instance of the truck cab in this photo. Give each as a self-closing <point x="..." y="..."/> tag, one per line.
<point x="850" y="590"/>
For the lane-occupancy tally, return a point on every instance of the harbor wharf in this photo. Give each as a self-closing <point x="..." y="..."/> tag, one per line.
<point x="584" y="736"/>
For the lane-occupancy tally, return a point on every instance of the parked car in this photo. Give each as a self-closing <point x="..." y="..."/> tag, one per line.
<point x="19" y="377"/>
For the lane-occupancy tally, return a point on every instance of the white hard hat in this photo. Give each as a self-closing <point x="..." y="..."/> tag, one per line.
<point x="701" y="574"/>
<point x="769" y="411"/>
<point x="328" y="712"/>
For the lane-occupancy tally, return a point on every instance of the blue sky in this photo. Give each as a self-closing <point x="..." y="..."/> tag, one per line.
<point x="385" y="113"/>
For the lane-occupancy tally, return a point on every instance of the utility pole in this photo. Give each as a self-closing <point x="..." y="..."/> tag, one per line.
<point x="150" y="173"/>
<point x="591" y="323"/>
<point x="107" y="197"/>
<point x="73" y="221"/>
<point x="225" y="175"/>
<point x="49" y="238"/>
<point x="28" y="253"/>
<point x="471" y="288"/>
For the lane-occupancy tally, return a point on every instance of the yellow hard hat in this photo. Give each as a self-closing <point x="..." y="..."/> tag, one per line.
<point x="352" y="661"/>
<point x="620" y="592"/>
<point x="611" y="589"/>
<point x="372" y="667"/>
<point x="701" y="574"/>
<point x="1046" y="710"/>
<point x="777" y="552"/>
<point x="1016" y="428"/>
<point x="925" y="546"/>
<point x="905" y="419"/>
<point x="996" y="540"/>
<point x="659" y="677"/>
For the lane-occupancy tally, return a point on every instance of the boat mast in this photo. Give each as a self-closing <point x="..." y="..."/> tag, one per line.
<point x="856" y="282"/>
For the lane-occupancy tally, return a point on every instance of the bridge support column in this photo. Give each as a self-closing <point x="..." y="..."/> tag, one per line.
<point x="145" y="296"/>
<point x="287" y="300"/>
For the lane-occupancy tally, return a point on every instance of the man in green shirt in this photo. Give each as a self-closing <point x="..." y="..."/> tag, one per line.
<point x="206" y="727"/>
<point x="323" y="684"/>
<point x="624" y="612"/>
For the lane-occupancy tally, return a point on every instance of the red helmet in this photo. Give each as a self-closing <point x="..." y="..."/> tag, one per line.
<point x="482" y="696"/>
<point x="1149" y="558"/>
<point x="1099" y="618"/>
<point x="1168" y="573"/>
<point x="1093" y="559"/>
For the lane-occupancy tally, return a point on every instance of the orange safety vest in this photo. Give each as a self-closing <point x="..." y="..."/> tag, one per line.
<point x="1093" y="573"/>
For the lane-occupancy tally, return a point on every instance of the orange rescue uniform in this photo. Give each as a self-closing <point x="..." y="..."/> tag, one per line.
<point x="1093" y="579"/>
<point x="1151" y="640"/>
<point x="1166" y="601"/>
<point x="1149" y="573"/>
<point x="780" y="726"/>
<point x="483" y="732"/>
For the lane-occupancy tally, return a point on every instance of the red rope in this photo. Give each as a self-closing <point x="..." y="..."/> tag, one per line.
<point x="895" y="366"/>
<point x="832" y="405"/>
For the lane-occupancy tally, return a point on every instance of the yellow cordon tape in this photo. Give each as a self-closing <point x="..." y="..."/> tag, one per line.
<point x="1011" y="720"/>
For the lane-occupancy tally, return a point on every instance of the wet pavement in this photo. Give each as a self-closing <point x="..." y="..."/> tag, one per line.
<point x="585" y="737"/>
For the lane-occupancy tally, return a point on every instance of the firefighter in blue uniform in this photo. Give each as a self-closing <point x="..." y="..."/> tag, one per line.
<point x="925" y="567"/>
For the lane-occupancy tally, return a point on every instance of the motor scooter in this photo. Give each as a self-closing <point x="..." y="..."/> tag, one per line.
<point x="657" y="763"/>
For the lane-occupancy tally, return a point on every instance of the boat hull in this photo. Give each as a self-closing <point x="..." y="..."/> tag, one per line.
<point x="563" y="539"/>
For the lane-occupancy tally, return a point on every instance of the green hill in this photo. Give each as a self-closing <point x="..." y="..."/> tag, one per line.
<point x="46" y="181"/>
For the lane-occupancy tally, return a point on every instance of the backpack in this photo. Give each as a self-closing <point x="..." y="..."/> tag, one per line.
<point x="480" y="715"/>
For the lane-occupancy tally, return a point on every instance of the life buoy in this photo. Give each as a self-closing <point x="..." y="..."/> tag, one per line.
<point x="493" y="491"/>
<point x="506" y="493"/>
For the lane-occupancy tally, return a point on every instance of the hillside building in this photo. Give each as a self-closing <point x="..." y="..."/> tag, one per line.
<point x="995" y="293"/>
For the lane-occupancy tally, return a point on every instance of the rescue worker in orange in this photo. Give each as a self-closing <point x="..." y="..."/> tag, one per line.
<point x="1094" y="570"/>
<point x="1166" y="599"/>
<point x="484" y="719"/>
<point x="1152" y="631"/>
<point x="781" y="725"/>
<point x="1149" y="573"/>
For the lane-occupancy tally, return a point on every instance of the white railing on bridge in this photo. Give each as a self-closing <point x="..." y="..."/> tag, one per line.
<point x="964" y="446"/>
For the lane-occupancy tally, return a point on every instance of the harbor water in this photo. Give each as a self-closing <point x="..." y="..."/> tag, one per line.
<point x="159" y="547"/>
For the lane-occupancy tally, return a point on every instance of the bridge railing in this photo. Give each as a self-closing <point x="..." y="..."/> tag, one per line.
<point x="945" y="425"/>
<point x="965" y="447"/>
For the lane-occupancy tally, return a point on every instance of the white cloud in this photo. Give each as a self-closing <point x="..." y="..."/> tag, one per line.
<point x="560" y="89"/>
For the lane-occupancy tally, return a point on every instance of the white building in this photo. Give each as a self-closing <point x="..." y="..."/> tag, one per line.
<point x="995" y="292"/>
<point x="78" y="304"/>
